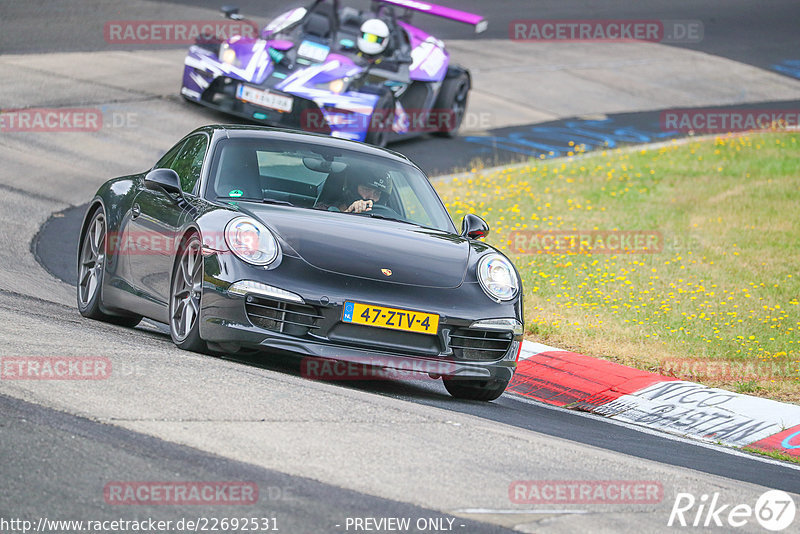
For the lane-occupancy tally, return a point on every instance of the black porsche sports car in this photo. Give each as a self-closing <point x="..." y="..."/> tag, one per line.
<point x="258" y="239"/>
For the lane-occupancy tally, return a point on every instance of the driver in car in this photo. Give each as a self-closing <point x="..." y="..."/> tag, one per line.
<point x="365" y="192"/>
<point x="373" y="45"/>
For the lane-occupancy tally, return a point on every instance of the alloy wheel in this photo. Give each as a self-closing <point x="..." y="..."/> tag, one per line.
<point x="92" y="259"/>
<point x="186" y="290"/>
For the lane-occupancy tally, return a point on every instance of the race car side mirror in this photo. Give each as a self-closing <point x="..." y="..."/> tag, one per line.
<point x="474" y="227"/>
<point x="231" y="12"/>
<point x="165" y="179"/>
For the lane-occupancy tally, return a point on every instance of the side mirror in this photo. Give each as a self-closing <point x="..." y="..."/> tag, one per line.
<point x="474" y="227"/>
<point x="231" y="12"/>
<point x="165" y="179"/>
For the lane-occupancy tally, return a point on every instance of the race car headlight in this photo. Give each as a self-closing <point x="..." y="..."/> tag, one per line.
<point x="497" y="277"/>
<point x="251" y="241"/>
<point x="337" y="86"/>
<point x="228" y="55"/>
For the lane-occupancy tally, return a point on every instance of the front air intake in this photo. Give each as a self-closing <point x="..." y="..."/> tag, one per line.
<point x="284" y="317"/>
<point x="470" y="344"/>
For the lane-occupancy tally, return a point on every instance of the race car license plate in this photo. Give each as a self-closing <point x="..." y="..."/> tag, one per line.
<point x="393" y="318"/>
<point x="264" y="98"/>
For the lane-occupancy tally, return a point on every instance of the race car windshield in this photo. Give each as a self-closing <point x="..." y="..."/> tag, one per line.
<point x="308" y="176"/>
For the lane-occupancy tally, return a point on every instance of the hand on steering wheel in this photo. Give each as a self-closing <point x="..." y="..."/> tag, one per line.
<point x="384" y="210"/>
<point x="359" y="206"/>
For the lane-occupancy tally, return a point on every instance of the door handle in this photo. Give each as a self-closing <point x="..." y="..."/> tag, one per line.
<point x="136" y="210"/>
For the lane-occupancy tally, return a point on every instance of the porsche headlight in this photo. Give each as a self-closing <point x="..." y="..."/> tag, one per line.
<point x="497" y="277"/>
<point x="251" y="241"/>
<point x="228" y="55"/>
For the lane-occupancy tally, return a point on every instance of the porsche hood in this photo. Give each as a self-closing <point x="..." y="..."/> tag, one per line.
<point x="365" y="247"/>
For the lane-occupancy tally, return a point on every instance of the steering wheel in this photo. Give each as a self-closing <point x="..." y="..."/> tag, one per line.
<point x="380" y="209"/>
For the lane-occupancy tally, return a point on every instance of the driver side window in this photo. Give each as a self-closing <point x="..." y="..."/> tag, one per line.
<point x="189" y="162"/>
<point x="166" y="160"/>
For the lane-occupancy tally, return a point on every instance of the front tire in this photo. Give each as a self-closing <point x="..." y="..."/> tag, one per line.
<point x="91" y="269"/>
<point x="453" y="100"/>
<point x="478" y="390"/>
<point x="186" y="291"/>
<point x="381" y="121"/>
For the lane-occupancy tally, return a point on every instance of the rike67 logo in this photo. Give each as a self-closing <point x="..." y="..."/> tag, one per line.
<point x="774" y="510"/>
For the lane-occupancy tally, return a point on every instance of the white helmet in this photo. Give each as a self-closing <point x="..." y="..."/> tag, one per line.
<point x="374" y="37"/>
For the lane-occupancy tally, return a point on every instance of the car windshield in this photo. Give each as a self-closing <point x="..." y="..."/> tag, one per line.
<point x="309" y="176"/>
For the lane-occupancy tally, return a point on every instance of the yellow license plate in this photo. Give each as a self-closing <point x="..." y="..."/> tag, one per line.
<point x="396" y="319"/>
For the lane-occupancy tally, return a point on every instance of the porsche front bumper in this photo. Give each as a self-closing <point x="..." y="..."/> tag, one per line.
<point x="314" y="328"/>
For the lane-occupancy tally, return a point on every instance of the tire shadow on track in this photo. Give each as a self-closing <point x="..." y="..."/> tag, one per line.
<point x="418" y="387"/>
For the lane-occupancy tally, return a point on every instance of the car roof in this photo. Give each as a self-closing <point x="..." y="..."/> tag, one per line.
<point x="232" y="131"/>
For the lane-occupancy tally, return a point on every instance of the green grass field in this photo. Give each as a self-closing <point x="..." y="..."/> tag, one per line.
<point x="717" y="302"/>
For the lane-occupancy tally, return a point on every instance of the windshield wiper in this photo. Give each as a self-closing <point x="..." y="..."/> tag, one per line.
<point x="276" y="201"/>
<point x="385" y="218"/>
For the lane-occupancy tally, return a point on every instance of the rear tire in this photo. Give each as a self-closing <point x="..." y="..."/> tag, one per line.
<point x="453" y="101"/>
<point x="186" y="290"/>
<point x="478" y="390"/>
<point x="91" y="269"/>
<point x="380" y="123"/>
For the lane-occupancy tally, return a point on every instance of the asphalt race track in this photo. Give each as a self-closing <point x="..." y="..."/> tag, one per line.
<point x="324" y="453"/>
<point x="765" y="38"/>
<point x="735" y="29"/>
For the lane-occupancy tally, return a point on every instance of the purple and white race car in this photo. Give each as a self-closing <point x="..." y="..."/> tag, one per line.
<point x="363" y="75"/>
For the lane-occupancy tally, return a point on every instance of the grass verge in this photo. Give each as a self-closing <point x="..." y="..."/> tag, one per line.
<point x="711" y="291"/>
<point x="775" y="455"/>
